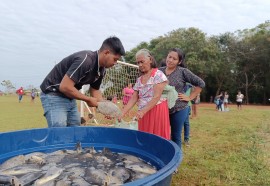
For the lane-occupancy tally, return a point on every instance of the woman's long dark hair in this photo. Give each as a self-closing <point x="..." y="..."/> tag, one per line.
<point x="181" y="56"/>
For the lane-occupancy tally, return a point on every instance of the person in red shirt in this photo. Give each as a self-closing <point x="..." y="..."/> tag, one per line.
<point x="20" y="93"/>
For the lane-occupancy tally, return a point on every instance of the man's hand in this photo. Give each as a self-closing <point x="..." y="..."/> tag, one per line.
<point x="92" y="102"/>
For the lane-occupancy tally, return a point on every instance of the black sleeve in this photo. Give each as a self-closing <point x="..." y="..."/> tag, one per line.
<point x="78" y="68"/>
<point x="192" y="78"/>
<point x="97" y="83"/>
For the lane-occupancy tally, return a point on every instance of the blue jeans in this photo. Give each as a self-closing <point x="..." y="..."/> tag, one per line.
<point x="59" y="111"/>
<point x="186" y="126"/>
<point x="177" y="121"/>
<point x="20" y="98"/>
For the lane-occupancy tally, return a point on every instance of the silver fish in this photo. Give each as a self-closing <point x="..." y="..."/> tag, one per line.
<point x="35" y="159"/>
<point x="95" y="176"/>
<point x="8" y="180"/>
<point x="51" y="174"/>
<point x="141" y="167"/>
<point x="79" y="181"/>
<point x="63" y="183"/>
<point x="13" y="162"/>
<point x="77" y="171"/>
<point x="86" y="156"/>
<point x="68" y="166"/>
<point x="128" y="159"/>
<point x="47" y="166"/>
<point x="54" y="158"/>
<point x="49" y="183"/>
<point x="102" y="159"/>
<point x="79" y="147"/>
<point x="29" y="178"/>
<point x="138" y="175"/>
<point x="21" y="169"/>
<point x="39" y="154"/>
<point x="120" y="173"/>
<point x="108" y="108"/>
<point x="58" y="152"/>
<point x="90" y="150"/>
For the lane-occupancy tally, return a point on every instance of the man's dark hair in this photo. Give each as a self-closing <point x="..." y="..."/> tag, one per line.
<point x="114" y="45"/>
<point x="181" y="56"/>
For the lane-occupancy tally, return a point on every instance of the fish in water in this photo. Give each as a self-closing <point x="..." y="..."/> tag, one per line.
<point x="79" y="181"/>
<point x="108" y="108"/>
<point x="120" y="173"/>
<point x="141" y="168"/>
<point x="12" y="162"/>
<point x="8" y="180"/>
<point x="35" y="159"/>
<point x="51" y="174"/>
<point x="20" y="170"/>
<point x="77" y="167"/>
<point x="78" y="147"/>
<point x="29" y="178"/>
<point x="128" y="159"/>
<point x="95" y="176"/>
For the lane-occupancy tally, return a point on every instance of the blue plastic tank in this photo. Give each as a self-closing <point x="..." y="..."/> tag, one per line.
<point x="163" y="154"/>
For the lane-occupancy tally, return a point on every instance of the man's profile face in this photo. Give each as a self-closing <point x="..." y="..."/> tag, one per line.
<point x="111" y="59"/>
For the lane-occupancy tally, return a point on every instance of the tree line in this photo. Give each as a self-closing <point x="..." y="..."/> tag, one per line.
<point x="227" y="62"/>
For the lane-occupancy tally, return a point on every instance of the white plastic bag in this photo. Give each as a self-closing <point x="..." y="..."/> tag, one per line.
<point x="133" y="125"/>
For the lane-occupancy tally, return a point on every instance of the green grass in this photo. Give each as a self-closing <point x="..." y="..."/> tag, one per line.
<point x="18" y="116"/>
<point x="227" y="148"/>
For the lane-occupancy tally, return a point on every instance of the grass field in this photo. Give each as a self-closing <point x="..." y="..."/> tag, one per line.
<point x="227" y="148"/>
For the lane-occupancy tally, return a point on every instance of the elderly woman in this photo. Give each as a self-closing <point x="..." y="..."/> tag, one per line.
<point x="153" y="113"/>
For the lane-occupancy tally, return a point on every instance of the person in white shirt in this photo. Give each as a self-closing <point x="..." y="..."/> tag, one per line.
<point x="239" y="100"/>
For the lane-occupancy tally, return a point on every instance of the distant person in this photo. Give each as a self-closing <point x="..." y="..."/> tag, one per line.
<point x="114" y="99"/>
<point x="60" y="88"/>
<point x="211" y="99"/>
<point x="226" y="101"/>
<point x="221" y="101"/>
<point x="127" y="93"/>
<point x="194" y="106"/>
<point x="20" y="93"/>
<point x="239" y="100"/>
<point x="153" y="112"/>
<point x="33" y="95"/>
<point x="216" y="101"/>
<point x="187" y="90"/>
<point x="178" y="75"/>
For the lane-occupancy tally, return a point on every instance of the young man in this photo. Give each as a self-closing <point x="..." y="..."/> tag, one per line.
<point x="60" y="89"/>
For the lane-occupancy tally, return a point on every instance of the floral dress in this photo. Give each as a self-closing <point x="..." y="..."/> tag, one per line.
<point x="155" y="121"/>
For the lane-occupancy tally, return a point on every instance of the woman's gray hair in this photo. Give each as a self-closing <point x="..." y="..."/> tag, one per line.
<point x="146" y="53"/>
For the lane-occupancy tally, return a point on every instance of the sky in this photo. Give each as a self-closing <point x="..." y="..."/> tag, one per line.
<point x="35" y="35"/>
